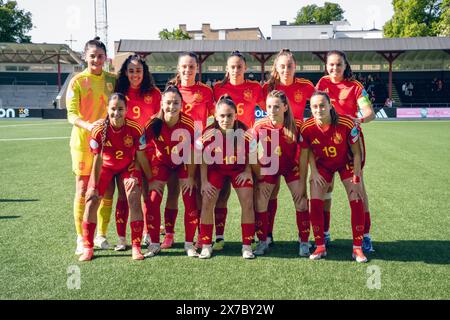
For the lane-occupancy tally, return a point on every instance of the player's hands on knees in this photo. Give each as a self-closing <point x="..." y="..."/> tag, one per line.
<point x="187" y="185"/>
<point x="356" y="189"/>
<point x="317" y="179"/>
<point x="209" y="190"/>
<point x="92" y="194"/>
<point x="130" y="183"/>
<point x="244" y="176"/>
<point x="264" y="189"/>
<point x="156" y="185"/>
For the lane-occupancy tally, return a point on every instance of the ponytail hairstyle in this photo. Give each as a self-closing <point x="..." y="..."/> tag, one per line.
<point x="333" y="113"/>
<point x="123" y="84"/>
<point x="175" y="81"/>
<point x="289" y="127"/>
<point x="157" y="121"/>
<point x="94" y="43"/>
<point x="114" y="96"/>
<point x="274" y="79"/>
<point x="348" y="73"/>
<point x="235" y="53"/>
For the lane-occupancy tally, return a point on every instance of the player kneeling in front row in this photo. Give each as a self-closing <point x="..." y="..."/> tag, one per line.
<point x="278" y="135"/>
<point x="114" y="144"/>
<point x="225" y="147"/>
<point x="333" y="140"/>
<point x="171" y="132"/>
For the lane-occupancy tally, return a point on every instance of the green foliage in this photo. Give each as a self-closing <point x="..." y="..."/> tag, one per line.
<point x="313" y="14"/>
<point x="14" y="23"/>
<point x="175" y="34"/>
<point x="418" y="18"/>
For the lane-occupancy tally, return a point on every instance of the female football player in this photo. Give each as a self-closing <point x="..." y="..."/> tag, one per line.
<point x="172" y="133"/>
<point x="334" y="141"/>
<point x="298" y="91"/>
<point x="246" y="95"/>
<point x="198" y="104"/>
<point x="87" y="98"/>
<point x="278" y="135"/>
<point x="225" y="147"/>
<point x="144" y="100"/>
<point x="348" y="96"/>
<point x="114" y="145"/>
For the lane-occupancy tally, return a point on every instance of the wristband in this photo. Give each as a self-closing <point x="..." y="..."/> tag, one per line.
<point x="361" y="119"/>
<point x="356" y="179"/>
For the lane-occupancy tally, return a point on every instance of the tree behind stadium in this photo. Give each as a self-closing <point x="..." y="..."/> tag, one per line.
<point x="313" y="14"/>
<point x="14" y="23"/>
<point x="177" y="34"/>
<point x="419" y="18"/>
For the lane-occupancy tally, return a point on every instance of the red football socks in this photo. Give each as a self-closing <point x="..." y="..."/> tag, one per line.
<point x="303" y="225"/>
<point x="153" y="217"/>
<point x="272" y="209"/>
<point x="170" y="217"/>
<point x="261" y="225"/>
<point x="316" y="217"/>
<point x="206" y="231"/>
<point x="121" y="217"/>
<point x="191" y="216"/>
<point x="248" y="233"/>
<point x="88" y="234"/>
<point x="357" y="207"/>
<point x="137" y="228"/>
<point x="220" y="218"/>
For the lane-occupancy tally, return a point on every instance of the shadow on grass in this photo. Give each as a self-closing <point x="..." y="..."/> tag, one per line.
<point x="427" y="251"/>
<point x="8" y="217"/>
<point x="19" y="200"/>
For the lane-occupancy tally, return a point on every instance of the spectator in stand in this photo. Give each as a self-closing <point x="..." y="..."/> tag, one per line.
<point x="405" y="88"/>
<point x="389" y="103"/>
<point x="410" y="89"/>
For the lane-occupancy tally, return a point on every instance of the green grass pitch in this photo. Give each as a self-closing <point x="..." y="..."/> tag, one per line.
<point x="408" y="181"/>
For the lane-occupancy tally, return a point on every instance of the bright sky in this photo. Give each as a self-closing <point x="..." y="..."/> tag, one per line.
<point x="56" y="21"/>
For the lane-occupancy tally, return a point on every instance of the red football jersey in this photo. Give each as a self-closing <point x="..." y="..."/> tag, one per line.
<point x="198" y="102"/>
<point x="120" y="145"/>
<point x="164" y="145"/>
<point x="213" y="144"/>
<point x="142" y="108"/>
<point x="298" y="93"/>
<point x="246" y="96"/>
<point x="331" y="147"/>
<point x="344" y="95"/>
<point x="285" y="149"/>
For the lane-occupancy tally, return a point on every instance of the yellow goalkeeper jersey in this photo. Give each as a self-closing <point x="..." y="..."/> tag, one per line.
<point x="87" y="99"/>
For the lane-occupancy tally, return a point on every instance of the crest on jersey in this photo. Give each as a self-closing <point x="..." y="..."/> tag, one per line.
<point x="128" y="141"/>
<point x="298" y="97"/>
<point x="248" y="95"/>
<point x="198" y="97"/>
<point x="337" y="138"/>
<point x="148" y="99"/>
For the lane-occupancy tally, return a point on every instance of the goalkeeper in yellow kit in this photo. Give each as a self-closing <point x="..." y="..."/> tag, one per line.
<point x="86" y="100"/>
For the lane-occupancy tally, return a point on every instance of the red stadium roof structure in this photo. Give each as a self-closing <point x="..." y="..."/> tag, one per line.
<point x="428" y="51"/>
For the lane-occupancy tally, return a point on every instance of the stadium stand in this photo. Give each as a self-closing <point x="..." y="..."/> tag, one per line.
<point x="31" y="75"/>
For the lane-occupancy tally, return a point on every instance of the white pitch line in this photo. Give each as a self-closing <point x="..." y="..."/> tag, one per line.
<point x="30" y="139"/>
<point x="34" y="124"/>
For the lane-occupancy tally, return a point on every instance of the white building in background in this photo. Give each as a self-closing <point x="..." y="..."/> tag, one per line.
<point x="334" y="30"/>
